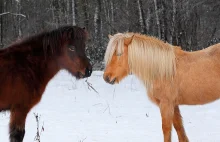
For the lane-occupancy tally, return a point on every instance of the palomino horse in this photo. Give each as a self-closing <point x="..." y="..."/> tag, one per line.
<point x="28" y="65"/>
<point x="171" y="76"/>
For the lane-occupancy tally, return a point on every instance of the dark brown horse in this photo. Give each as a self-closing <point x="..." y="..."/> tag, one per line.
<point x="28" y="65"/>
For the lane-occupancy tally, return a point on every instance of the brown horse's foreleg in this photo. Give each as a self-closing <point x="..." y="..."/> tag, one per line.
<point x="167" y="111"/>
<point x="178" y="125"/>
<point x="17" y="124"/>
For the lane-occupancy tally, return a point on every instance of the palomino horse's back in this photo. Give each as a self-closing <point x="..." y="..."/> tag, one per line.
<point x="198" y="76"/>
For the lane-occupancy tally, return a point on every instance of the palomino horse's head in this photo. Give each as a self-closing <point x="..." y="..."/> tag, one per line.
<point x="74" y="58"/>
<point x="146" y="57"/>
<point x="116" y="58"/>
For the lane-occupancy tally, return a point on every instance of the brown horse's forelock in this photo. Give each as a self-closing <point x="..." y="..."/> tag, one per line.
<point x="55" y="39"/>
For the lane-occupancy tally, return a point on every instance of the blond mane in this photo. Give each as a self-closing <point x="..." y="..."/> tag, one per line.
<point x="148" y="58"/>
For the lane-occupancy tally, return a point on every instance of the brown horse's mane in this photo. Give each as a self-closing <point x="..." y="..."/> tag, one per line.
<point x="46" y="43"/>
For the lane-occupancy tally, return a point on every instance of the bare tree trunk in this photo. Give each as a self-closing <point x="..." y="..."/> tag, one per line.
<point x="112" y="15"/>
<point x="141" y="16"/>
<point x="106" y="6"/>
<point x="127" y="14"/>
<point x="157" y="18"/>
<point x="96" y="20"/>
<point x="173" y="33"/>
<point x="52" y="11"/>
<point x="19" y="19"/>
<point x="195" y="20"/>
<point x="73" y="12"/>
<point x="68" y="11"/>
<point x="1" y="24"/>
<point x="86" y="13"/>
<point x="106" y="15"/>
<point x="147" y="21"/>
<point x="163" y="21"/>
<point x="59" y="12"/>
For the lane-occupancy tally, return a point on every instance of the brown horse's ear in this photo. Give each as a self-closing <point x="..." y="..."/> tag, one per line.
<point x="128" y="40"/>
<point x="84" y="28"/>
<point x="110" y="36"/>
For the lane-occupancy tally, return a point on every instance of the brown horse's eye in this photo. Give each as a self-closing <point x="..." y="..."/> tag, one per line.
<point x="71" y="48"/>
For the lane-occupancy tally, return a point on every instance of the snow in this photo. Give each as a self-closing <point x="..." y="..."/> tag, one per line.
<point x="70" y="112"/>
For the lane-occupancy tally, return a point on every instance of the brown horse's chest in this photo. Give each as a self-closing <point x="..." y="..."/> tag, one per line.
<point x="4" y="106"/>
<point x="16" y="92"/>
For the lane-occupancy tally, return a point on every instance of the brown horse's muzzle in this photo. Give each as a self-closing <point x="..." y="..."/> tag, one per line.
<point x="83" y="74"/>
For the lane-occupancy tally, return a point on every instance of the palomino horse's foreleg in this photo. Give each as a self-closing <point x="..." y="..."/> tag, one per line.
<point x="167" y="111"/>
<point x="178" y="125"/>
<point x="17" y="124"/>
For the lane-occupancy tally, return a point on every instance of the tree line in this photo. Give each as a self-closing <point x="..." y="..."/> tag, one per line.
<point x="191" y="24"/>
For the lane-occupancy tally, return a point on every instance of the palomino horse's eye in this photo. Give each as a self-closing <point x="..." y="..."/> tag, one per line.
<point x="71" y="48"/>
<point x="118" y="54"/>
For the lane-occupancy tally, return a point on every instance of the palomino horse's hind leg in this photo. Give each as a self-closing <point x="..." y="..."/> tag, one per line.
<point x="17" y="124"/>
<point x="167" y="111"/>
<point x="178" y="125"/>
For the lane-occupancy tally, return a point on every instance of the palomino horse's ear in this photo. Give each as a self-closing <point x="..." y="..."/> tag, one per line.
<point x="110" y="36"/>
<point x="128" y="40"/>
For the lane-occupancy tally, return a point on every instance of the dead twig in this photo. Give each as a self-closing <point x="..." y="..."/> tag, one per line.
<point x="38" y="134"/>
<point x="83" y="139"/>
<point x="108" y="107"/>
<point x="90" y="86"/>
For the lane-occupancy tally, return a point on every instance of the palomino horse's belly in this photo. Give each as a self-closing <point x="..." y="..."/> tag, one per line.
<point x="197" y="100"/>
<point x="199" y="92"/>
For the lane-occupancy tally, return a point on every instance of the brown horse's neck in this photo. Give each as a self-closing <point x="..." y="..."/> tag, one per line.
<point x="51" y="68"/>
<point x="30" y="64"/>
<point x="48" y="70"/>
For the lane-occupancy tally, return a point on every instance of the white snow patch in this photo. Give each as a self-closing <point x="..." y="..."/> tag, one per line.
<point x="71" y="112"/>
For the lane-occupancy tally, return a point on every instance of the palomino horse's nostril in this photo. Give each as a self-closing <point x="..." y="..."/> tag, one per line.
<point x="107" y="79"/>
<point x="113" y="81"/>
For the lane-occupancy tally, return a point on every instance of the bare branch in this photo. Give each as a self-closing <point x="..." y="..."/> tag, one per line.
<point x="90" y="86"/>
<point x="4" y="13"/>
<point x="15" y="14"/>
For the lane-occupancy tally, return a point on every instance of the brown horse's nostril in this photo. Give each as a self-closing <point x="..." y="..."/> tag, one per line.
<point x="88" y="72"/>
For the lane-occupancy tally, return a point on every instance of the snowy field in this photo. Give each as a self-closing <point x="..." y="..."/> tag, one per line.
<point x="70" y="112"/>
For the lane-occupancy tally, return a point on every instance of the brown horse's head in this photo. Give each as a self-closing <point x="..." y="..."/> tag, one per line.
<point x="116" y="58"/>
<point x="74" y="58"/>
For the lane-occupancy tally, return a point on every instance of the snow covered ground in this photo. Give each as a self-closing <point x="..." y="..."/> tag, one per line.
<point x="70" y="112"/>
